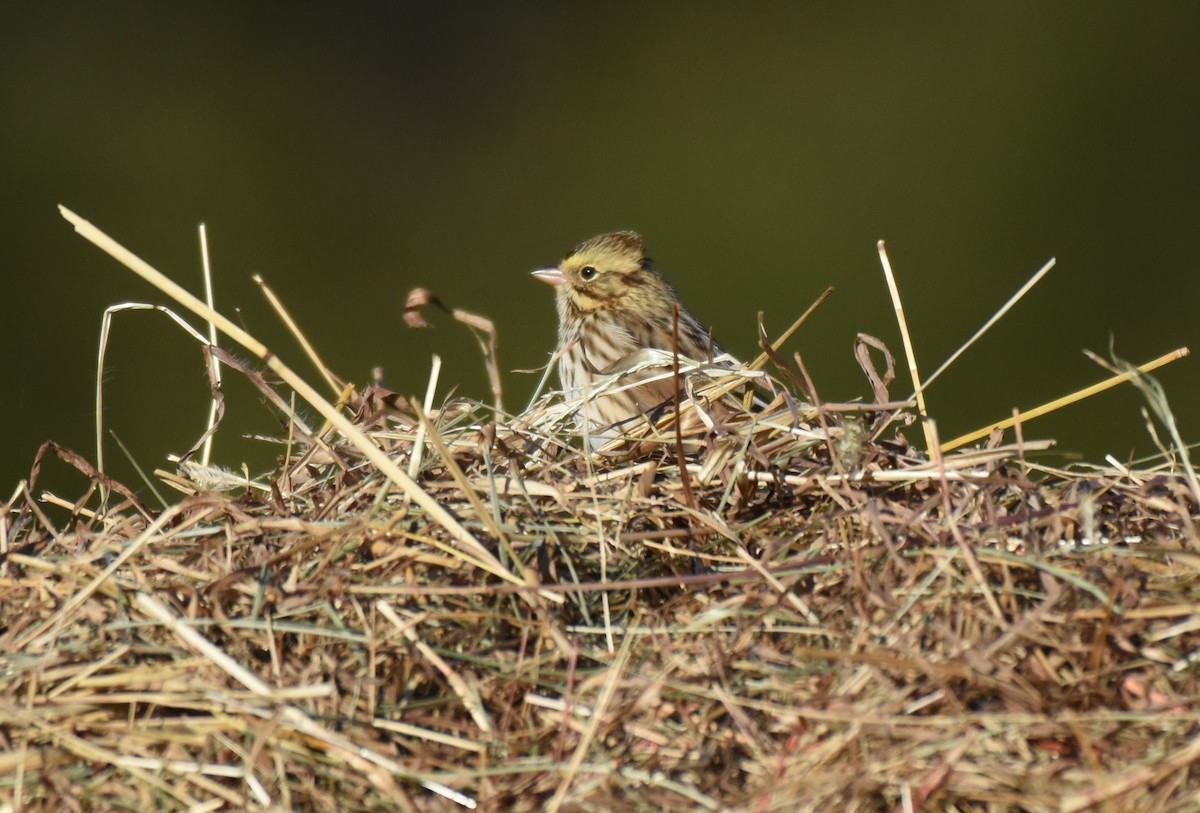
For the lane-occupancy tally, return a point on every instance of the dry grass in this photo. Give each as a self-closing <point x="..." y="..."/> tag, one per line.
<point x="835" y="623"/>
<point x="809" y="615"/>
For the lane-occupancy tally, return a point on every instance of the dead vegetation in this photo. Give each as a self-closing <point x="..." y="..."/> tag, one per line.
<point x="807" y="614"/>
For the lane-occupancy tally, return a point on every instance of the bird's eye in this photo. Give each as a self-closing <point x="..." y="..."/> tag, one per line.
<point x="587" y="273"/>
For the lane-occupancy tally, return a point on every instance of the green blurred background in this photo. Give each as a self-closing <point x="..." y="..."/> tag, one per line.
<point x="350" y="153"/>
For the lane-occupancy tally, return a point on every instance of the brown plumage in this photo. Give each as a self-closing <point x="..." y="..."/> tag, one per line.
<point x="611" y="304"/>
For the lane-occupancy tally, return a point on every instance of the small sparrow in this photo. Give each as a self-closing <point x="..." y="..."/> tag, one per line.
<point x="611" y="304"/>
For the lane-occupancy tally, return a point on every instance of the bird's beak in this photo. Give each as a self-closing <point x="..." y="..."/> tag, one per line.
<point x="551" y="276"/>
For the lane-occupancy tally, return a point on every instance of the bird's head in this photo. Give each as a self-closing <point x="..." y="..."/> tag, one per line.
<point x="605" y="272"/>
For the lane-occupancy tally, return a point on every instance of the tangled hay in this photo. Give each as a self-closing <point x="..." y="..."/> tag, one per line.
<point x="777" y="609"/>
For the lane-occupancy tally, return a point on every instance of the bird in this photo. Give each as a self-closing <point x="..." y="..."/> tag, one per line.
<point x="612" y="304"/>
